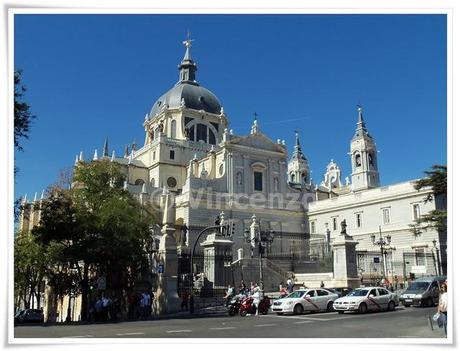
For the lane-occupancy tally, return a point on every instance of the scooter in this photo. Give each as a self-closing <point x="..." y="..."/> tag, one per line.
<point x="234" y="305"/>
<point x="247" y="306"/>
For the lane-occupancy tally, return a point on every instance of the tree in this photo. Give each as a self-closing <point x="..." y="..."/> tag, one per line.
<point x="22" y="115"/>
<point x="436" y="178"/>
<point x="98" y="225"/>
<point x="29" y="269"/>
<point x="22" y="120"/>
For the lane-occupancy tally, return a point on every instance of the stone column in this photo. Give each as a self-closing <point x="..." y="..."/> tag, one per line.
<point x="217" y="250"/>
<point x="166" y="299"/>
<point x="345" y="265"/>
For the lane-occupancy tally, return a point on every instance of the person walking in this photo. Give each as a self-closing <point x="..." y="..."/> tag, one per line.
<point x="256" y="298"/>
<point x="290" y="285"/>
<point x="442" y="306"/>
<point x="322" y="284"/>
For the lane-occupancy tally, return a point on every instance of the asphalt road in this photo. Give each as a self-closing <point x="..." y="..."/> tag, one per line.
<point x="402" y="323"/>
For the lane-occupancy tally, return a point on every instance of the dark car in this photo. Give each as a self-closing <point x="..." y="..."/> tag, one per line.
<point x="422" y="292"/>
<point x="29" y="316"/>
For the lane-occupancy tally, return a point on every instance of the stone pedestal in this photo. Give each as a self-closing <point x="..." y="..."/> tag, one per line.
<point x="217" y="252"/>
<point x="345" y="265"/>
<point x="167" y="300"/>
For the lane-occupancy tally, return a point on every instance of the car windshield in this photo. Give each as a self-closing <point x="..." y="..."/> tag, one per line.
<point x="358" y="292"/>
<point x="296" y="294"/>
<point x="418" y="286"/>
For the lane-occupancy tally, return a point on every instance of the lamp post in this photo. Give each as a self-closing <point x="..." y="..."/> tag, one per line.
<point x="382" y="243"/>
<point x="437" y="257"/>
<point x="260" y="238"/>
<point x="328" y="238"/>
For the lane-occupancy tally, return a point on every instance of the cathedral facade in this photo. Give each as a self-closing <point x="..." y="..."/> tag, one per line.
<point x="190" y="151"/>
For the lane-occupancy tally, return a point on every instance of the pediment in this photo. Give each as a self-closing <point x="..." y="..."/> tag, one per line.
<point x="258" y="141"/>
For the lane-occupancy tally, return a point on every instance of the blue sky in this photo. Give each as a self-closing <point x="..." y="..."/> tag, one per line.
<point x="92" y="76"/>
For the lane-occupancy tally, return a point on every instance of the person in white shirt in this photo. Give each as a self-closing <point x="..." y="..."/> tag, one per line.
<point x="442" y="305"/>
<point x="256" y="298"/>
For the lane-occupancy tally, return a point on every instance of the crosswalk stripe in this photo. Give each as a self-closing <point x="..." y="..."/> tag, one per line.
<point x="179" y="331"/>
<point x="222" y="328"/>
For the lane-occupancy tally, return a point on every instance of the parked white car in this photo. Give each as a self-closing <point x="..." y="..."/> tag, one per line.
<point x="313" y="300"/>
<point x="367" y="299"/>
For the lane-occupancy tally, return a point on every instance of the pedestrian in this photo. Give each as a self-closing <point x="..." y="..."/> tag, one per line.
<point x="98" y="309"/>
<point x="322" y="284"/>
<point x="290" y="285"/>
<point x="442" y="306"/>
<point x="184" y="303"/>
<point x="242" y="287"/>
<point x="229" y="295"/>
<point x="283" y="290"/>
<point x="256" y="298"/>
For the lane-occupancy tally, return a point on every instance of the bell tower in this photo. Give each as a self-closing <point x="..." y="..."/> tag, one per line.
<point x="363" y="153"/>
<point x="298" y="168"/>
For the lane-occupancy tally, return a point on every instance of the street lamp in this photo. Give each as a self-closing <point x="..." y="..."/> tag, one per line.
<point x="437" y="257"/>
<point x="382" y="243"/>
<point x="328" y="238"/>
<point x="262" y="238"/>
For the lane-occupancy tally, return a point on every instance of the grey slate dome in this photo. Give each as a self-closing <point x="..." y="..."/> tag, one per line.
<point x="195" y="97"/>
<point x="187" y="91"/>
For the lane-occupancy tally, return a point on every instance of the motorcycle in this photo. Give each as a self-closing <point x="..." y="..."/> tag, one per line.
<point x="234" y="305"/>
<point x="247" y="306"/>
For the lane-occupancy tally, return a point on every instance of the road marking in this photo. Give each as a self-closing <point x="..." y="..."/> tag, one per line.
<point x="79" y="336"/>
<point x="408" y="336"/>
<point x="179" y="331"/>
<point x="301" y="322"/>
<point x="120" y="334"/>
<point x="265" y="325"/>
<point x="222" y="328"/>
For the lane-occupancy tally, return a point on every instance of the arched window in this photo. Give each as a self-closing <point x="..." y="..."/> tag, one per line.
<point x="173" y="129"/>
<point x="371" y="160"/>
<point x="358" y="160"/>
<point x="276" y="184"/>
<point x="201" y="133"/>
<point x="292" y="177"/>
<point x="139" y="182"/>
<point x="212" y="137"/>
<point x="152" y="182"/>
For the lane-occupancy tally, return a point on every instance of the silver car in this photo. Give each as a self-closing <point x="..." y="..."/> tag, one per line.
<point x="313" y="300"/>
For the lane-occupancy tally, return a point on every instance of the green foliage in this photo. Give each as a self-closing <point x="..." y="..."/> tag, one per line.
<point x="22" y="114"/>
<point x="30" y="266"/>
<point x="436" y="219"/>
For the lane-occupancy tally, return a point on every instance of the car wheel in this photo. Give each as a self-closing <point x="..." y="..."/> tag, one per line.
<point x="391" y="306"/>
<point x="298" y="309"/>
<point x="362" y="308"/>
<point x="243" y="313"/>
<point x="341" y="312"/>
<point x="279" y="313"/>
<point x="330" y="307"/>
<point x="406" y="305"/>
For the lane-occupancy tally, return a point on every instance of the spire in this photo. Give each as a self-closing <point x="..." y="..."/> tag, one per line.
<point x="126" y="151"/>
<point x="24" y="199"/>
<point x="76" y="159"/>
<point x="187" y="67"/>
<point x="361" y="129"/>
<point x="113" y="156"/>
<point x="105" y="149"/>
<point x="134" y="145"/>
<point x="298" y="154"/>
<point x="35" y="197"/>
<point x="144" y="189"/>
<point x="43" y="195"/>
<point x="80" y="157"/>
<point x="95" y="155"/>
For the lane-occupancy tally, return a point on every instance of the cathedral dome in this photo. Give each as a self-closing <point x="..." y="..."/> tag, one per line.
<point x="191" y="95"/>
<point x="187" y="92"/>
